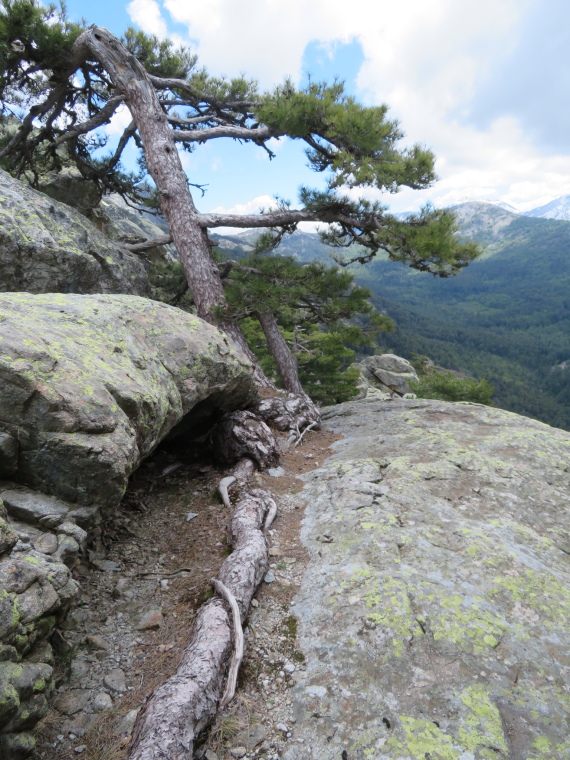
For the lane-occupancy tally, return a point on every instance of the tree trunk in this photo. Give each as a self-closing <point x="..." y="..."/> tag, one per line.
<point x="286" y="362"/>
<point x="164" y="165"/>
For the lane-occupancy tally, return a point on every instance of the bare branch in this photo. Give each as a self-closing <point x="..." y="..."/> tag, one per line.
<point x="194" y="120"/>
<point x="125" y="137"/>
<point x="271" y="219"/>
<point x="225" y="268"/>
<point x="237" y="133"/>
<point x="139" y="247"/>
<point x="100" y="118"/>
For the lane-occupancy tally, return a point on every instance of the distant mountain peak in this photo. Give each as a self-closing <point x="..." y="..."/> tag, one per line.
<point x="500" y="204"/>
<point x="559" y="208"/>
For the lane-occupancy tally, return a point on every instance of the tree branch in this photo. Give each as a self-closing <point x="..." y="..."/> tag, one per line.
<point x="147" y="244"/>
<point x="125" y="137"/>
<point x="237" y="133"/>
<point x="164" y="83"/>
<point x="100" y="118"/>
<point x="271" y="219"/>
<point x="225" y="268"/>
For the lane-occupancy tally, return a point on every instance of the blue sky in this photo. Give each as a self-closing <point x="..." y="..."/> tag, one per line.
<point x="485" y="84"/>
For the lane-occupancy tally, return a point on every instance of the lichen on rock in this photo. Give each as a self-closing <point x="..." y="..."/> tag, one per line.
<point x="91" y="385"/>
<point x="435" y="621"/>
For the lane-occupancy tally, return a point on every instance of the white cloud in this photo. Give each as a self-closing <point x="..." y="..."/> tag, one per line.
<point x="428" y="59"/>
<point x="119" y="121"/>
<point x="147" y="14"/>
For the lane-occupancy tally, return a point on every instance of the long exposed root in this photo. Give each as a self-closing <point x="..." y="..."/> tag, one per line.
<point x="180" y="708"/>
<point x="238" y="641"/>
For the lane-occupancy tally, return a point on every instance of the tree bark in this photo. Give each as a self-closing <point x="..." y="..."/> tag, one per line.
<point x="286" y="362"/>
<point x="163" y="162"/>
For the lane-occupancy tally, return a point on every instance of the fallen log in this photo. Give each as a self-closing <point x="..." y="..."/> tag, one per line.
<point x="180" y="708"/>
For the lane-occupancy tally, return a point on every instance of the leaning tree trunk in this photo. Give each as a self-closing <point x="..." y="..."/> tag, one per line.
<point x="164" y="165"/>
<point x="286" y="362"/>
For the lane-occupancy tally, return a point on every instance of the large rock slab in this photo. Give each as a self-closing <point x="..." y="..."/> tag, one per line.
<point x="47" y="247"/>
<point x="436" y="622"/>
<point x="89" y="385"/>
<point x="385" y="375"/>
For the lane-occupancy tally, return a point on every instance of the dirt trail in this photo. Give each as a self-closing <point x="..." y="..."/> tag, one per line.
<point x="135" y="614"/>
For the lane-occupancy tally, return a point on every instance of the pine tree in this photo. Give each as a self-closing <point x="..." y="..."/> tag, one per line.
<point x="307" y="313"/>
<point x="64" y="81"/>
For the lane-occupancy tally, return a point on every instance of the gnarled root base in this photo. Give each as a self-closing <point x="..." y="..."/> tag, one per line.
<point x="291" y="413"/>
<point x="183" y="706"/>
<point x="244" y="434"/>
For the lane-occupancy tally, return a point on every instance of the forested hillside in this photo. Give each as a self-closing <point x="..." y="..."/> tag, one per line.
<point x="505" y="317"/>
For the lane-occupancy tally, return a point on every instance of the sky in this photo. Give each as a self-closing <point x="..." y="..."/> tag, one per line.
<point x="485" y="84"/>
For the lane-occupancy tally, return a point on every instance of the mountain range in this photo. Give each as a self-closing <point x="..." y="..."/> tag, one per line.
<point x="506" y="317"/>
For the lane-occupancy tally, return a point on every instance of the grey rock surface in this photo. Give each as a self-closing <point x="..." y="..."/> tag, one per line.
<point x="125" y="224"/>
<point x="91" y="384"/>
<point x="46" y="247"/>
<point x="385" y="374"/>
<point x="435" y="623"/>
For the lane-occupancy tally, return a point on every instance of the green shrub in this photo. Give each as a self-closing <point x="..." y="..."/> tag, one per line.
<point x="449" y="387"/>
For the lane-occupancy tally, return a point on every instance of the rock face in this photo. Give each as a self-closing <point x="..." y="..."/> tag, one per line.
<point x="91" y="384"/>
<point x="435" y="619"/>
<point x="36" y="591"/>
<point x="48" y="247"/>
<point x="384" y="376"/>
<point x="125" y="224"/>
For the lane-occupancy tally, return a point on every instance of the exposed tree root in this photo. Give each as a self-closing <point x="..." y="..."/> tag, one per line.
<point x="244" y="434"/>
<point x="223" y="486"/>
<point x="291" y="413"/>
<point x="184" y="705"/>
<point x="238" y="641"/>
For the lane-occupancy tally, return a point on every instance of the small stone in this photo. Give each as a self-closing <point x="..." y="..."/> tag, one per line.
<point x="121" y="588"/>
<point x="106" y="565"/>
<point x="238" y="752"/>
<point x="128" y="722"/>
<point x="282" y="728"/>
<point x="79" y="750"/>
<point x="73" y="530"/>
<point x="72" y="701"/>
<point x="150" y="621"/>
<point x="78" y="670"/>
<point x="289" y="560"/>
<point x="269" y="578"/>
<point x="46" y="543"/>
<point x="211" y="755"/>
<point x="276" y="472"/>
<point x="191" y="516"/>
<point x="102" y="702"/>
<point x="254" y="603"/>
<point x="273" y="552"/>
<point x="97" y="642"/>
<point x="289" y="668"/>
<point x="115" y="680"/>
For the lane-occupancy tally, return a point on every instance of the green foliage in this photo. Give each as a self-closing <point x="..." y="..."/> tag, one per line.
<point x="34" y="39"/>
<point x="449" y="387"/>
<point x="159" y="57"/>
<point x="506" y="318"/>
<point x="294" y="292"/>
<point x="315" y="306"/>
<point x="324" y="360"/>
<point x="356" y="143"/>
